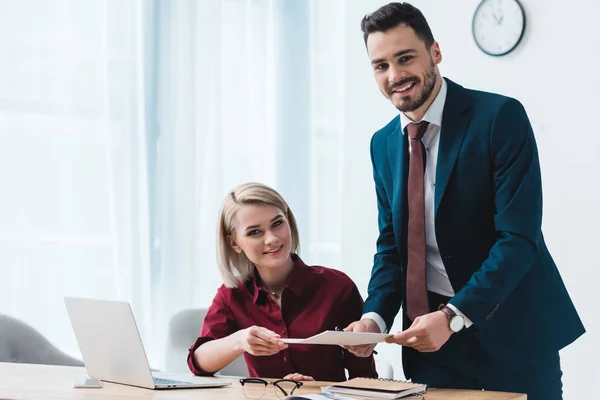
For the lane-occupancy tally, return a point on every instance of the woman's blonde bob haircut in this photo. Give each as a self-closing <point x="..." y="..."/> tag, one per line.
<point x="236" y="268"/>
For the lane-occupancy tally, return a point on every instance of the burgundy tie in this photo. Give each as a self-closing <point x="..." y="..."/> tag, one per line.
<point x="416" y="277"/>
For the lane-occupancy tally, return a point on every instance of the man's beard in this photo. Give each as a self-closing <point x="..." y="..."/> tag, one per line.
<point x="429" y="80"/>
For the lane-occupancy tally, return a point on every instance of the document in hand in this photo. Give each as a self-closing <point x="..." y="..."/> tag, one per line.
<point x="341" y="338"/>
<point x="377" y="388"/>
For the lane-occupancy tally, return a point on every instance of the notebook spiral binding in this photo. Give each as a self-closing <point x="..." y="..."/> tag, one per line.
<point x="389" y="380"/>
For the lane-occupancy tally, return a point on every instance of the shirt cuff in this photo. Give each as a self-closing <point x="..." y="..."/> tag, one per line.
<point x="468" y="322"/>
<point x="196" y="370"/>
<point x="378" y="320"/>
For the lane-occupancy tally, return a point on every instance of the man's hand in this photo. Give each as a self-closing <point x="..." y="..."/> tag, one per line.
<point x="364" y="325"/>
<point x="260" y="341"/>
<point x="427" y="333"/>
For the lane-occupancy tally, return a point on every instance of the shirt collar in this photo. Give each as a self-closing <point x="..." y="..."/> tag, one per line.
<point x="298" y="280"/>
<point x="435" y="110"/>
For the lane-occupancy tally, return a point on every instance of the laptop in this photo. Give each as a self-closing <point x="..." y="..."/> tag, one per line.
<point x="112" y="349"/>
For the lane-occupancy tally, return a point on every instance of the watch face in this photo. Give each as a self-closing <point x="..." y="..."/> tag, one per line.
<point x="457" y="323"/>
<point x="498" y="26"/>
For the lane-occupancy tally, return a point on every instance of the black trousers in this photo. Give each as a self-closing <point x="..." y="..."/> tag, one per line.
<point x="462" y="363"/>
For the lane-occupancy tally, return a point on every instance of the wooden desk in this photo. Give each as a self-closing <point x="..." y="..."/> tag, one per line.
<point x="30" y="381"/>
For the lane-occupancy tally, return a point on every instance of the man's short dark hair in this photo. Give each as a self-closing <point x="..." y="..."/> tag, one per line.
<point x="394" y="14"/>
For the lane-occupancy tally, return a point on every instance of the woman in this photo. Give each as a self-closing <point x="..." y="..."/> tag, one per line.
<point x="269" y="294"/>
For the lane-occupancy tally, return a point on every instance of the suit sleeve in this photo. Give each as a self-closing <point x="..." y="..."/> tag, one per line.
<point x="517" y="218"/>
<point x="385" y="285"/>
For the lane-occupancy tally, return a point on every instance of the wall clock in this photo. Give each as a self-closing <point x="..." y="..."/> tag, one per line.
<point x="498" y="26"/>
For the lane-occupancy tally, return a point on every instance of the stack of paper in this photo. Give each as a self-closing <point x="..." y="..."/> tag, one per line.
<point x="377" y="388"/>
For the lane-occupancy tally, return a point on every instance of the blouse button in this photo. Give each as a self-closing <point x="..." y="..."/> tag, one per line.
<point x="284" y="358"/>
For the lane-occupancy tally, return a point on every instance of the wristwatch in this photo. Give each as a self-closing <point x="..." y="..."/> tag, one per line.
<point x="456" y="322"/>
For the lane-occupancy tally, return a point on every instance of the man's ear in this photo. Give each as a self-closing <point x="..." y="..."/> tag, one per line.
<point x="233" y="244"/>
<point x="436" y="53"/>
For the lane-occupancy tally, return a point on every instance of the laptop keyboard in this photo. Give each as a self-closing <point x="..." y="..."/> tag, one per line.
<point x="162" y="381"/>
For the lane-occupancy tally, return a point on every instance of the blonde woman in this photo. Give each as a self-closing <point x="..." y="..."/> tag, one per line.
<point x="269" y="294"/>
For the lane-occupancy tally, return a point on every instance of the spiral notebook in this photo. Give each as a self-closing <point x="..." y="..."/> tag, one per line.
<point x="378" y="388"/>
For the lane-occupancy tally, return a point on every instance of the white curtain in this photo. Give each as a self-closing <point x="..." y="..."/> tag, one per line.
<point x="74" y="204"/>
<point x="123" y="124"/>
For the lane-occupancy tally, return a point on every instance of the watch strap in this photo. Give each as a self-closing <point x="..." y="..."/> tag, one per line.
<point x="448" y="311"/>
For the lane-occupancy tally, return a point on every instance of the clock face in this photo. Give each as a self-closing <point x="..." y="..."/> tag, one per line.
<point x="498" y="26"/>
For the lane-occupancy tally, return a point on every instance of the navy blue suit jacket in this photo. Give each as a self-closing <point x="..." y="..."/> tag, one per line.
<point x="488" y="216"/>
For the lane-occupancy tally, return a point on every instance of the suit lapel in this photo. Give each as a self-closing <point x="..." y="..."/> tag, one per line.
<point x="455" y="121"/>
<point x="398" y="156"/>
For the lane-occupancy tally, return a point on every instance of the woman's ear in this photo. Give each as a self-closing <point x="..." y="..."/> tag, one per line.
<point x="233" y="244"/>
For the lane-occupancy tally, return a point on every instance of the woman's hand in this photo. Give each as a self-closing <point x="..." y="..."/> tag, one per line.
<point x="298" y="377"/>
<point x="260" y="341"/>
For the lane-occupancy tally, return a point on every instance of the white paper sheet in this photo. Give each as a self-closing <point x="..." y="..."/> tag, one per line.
<point x="341" y="338"/>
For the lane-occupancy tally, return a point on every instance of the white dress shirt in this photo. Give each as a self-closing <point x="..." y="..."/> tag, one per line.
<point x="437" y="277"/>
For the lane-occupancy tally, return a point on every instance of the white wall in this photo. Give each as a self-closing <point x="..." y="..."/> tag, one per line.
<point x="552" y="73"/>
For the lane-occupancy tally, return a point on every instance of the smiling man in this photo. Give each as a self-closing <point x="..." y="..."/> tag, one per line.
<point x="460" y="245"/>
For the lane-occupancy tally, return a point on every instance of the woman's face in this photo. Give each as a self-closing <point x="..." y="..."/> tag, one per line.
<point x="263" y="234"/>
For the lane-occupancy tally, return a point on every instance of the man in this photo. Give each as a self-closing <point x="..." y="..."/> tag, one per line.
<point x="460" y="245"/>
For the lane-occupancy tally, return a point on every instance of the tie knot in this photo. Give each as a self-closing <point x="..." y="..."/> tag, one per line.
<point x="416" y="130"/>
